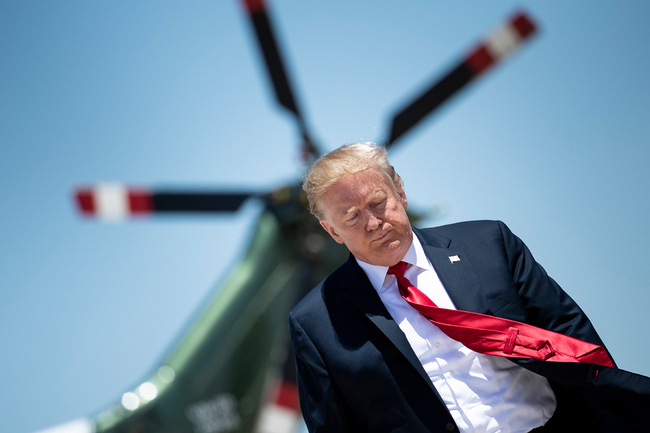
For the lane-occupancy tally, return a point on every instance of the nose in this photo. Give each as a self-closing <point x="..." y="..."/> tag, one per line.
<point x="373" y="223"/>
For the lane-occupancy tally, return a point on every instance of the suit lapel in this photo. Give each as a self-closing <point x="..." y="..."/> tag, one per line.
<point x="358" y="290"/>
<point x="458" y="277"/>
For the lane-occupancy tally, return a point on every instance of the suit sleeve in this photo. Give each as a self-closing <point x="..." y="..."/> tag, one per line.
<point x="322" y="404"/>
<point x="547" y="305"/>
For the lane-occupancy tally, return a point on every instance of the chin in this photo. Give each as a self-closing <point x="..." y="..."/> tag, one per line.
<point x="394" y="248"/>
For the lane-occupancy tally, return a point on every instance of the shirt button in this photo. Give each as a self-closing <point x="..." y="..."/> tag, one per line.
<point x="450" y="426"/>
<point x="437" y="344"/>
<point x="451" y="372"/>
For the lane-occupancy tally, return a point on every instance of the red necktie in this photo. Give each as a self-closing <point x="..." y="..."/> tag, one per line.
<point x="497" y="336"/>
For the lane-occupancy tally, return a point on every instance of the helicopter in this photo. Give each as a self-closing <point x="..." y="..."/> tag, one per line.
<point x="232" y="370"/>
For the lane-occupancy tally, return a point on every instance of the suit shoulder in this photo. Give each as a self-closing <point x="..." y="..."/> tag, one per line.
<point x="467" y="228"/>
<point x="314" y="301"/>
<point x="470" y="234"/>
<point x="310" y="303"/>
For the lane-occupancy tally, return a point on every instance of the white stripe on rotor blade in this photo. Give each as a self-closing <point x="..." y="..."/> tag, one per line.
<point x="81" y="425"/>
<point x="112" y="201"/>
<point x="502" y="41"/>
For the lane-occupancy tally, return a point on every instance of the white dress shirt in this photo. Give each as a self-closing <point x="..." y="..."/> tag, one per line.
<point x="484" y="394"/>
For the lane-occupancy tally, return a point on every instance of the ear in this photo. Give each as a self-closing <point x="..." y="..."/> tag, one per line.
<point x="402" y="197"/>
<point x="329" y="229"/>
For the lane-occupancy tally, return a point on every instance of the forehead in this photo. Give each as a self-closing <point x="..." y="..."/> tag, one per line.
<point x="357" y="188"/>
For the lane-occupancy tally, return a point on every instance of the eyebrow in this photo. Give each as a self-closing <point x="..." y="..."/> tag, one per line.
<point x="371" y="198"/>
<point x="350" y="210"/>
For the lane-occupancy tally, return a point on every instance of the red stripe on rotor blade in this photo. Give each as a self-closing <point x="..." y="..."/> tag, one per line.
<point x="254" y="6"/>
<point x="479" y="61"/>
<point x="86" y="201"/>
<point x="140" y="201"/>
<point x="524" y="26"/>
<point x="288" y="396"/>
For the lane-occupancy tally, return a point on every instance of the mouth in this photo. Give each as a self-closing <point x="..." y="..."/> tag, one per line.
<point x="382" y="236"/>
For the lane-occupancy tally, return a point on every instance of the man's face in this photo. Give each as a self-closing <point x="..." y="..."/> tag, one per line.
<point x="365" y="212"/>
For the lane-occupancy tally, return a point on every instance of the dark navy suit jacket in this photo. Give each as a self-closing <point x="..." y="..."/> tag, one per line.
<point x="357" y="371"/>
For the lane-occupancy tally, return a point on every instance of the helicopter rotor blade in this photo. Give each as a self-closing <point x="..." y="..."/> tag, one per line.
<point x="116" y="202"/>
<point x="261" y="23"/>
<point x="493" y="49"/>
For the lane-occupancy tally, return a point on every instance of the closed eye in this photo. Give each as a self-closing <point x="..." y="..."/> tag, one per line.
<point x="353" y="219"/>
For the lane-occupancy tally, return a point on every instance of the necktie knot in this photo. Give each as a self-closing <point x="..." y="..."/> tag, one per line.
<point x="398" y="269"/>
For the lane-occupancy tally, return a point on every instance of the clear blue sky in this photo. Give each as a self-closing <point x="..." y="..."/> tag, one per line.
<point x="554" y="142"/>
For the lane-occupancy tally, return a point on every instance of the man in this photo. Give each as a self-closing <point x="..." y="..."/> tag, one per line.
<point x="368" y="359"/>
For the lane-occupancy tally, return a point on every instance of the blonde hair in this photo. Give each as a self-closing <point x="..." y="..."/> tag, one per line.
<point x="344" y="161"/>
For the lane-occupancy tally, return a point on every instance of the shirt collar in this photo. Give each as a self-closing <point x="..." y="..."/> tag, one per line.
<point x="414" y="256"/>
